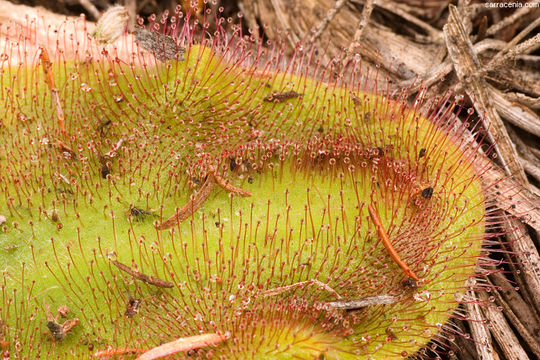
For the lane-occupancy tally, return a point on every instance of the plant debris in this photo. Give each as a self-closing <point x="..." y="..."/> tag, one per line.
<point x="192" y="205"/>
<point x="388" y="245"/>
<point x="164" y="47"/>
<point x="132" y="307"/>
<point x="59" y="331"/>
<point x="277" y="97"/>
<point x="363" y="302"/>
<point x="151" y="280"/>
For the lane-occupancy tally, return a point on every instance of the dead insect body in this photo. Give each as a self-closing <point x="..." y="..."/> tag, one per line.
<point x="58" y="331"/>
<point x="391" y="335"/>
<point x="104" y="171"/>
<point x="356" y="100"/>
<point x="103" y="126"/>
<point x="427" y="193"/>
<point x="139" y="213"/>
<point x="105" y="165"/>
<point x="410" y="283"/>
<point x="132" y="307"/>
<point x="277" y="97"/>
<point x="232" y="163"/>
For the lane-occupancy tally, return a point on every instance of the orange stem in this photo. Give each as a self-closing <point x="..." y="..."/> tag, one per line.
<point x="388" y="245"/>
<point x="49" y="79"/>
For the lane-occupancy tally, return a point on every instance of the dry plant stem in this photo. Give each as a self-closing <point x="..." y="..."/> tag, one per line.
<point x="478" y="328"/>
<point x="92" y="10"/>
<point x="150" y="280"/>
<point x="230" y="188"/>
<point x="467" y="68"/>
<point x="364" y="19"/>
<point x="509" y="195"/>
<point x="503" y="57"/>
<point x="444" y="68"/>
<point x="397" y="8"/>
<point x="282" y="289"/>
<point x="183" y="344"/>
<point x="530" y="168"/>
<point x="388" y="245"/>
<point x="327" y="19"/>
<point x="248" y="9"/>
<point x="466" y="348"/>
<point x="509" y="20"/>
<point x="192" y="205"/>
<point x="518" y="277"/>
<point x="49" y="79"/>
<point x="528" y="101"/>
<point x="531" y="340"/>
<point x="528" y="317"/>
<point x="131" y="6"/>
<point x="515" y="114"/>
<point x="360" y="303"/>
<point x="527" y="255"/>
<point x="522" y="148"/>
<point x="502" y="332"/>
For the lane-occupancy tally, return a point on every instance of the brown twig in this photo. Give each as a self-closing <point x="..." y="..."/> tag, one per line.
<point x="526" y="253"/>
<point x="509" y="54"/>
<point x="467" y="68"/>
<point x="364" y="19"/>
<point x="91" y="8"/>
<point x="398" y="9"/>
<point x="192" y="205"/>
<point x="509" y="20"/>
<point x="514" y="300"/>
<point x="478" y="328"/>
<point x="282" y="289"/>
<point x="514" y="113"/>
<point x="531" y="340"/>
<point x="317" y="32"/>
<point x="502" y="332"/>
<point x="228" y="187"/>
<point x="151" y="280"/>
<point x="360" y="303"/>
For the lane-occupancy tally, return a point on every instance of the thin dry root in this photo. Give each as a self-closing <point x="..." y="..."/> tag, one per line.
<point x="143" y="277"/>
<point x="183" y="344"/>
<point x="49" y="79"/>
<point x="282" y="289"/>
<point x="363" y="302"/>
<point x="230" y="188"/>
<point x="192" y="205"/>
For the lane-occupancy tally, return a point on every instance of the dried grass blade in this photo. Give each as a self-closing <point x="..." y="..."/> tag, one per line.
<point x="229" y="187"/>
<point x="143" y="277"/>
<point x="192" y="205"/>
